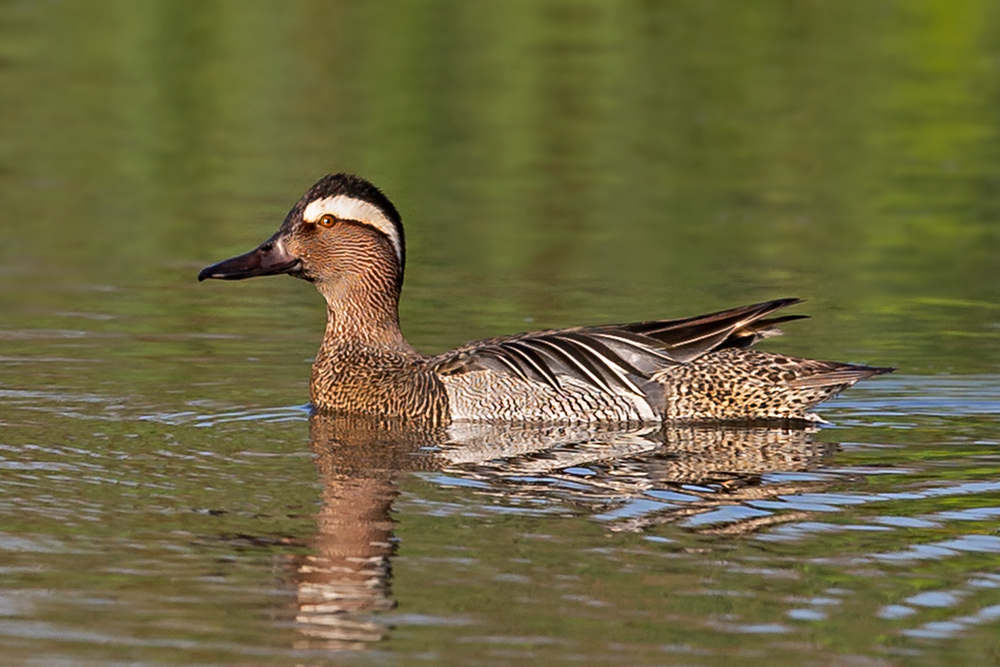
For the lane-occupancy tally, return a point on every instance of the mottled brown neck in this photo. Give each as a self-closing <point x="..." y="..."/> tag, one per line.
<point x="364" y="364"/>
<point x="363" y="315"/>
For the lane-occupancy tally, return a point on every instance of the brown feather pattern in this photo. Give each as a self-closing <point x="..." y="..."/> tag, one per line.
<point x="694" y="368"/>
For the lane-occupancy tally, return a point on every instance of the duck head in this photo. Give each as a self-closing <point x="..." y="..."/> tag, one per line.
<point x="343" y="234"/>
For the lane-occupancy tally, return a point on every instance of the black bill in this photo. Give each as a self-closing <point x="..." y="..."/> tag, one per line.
<point x="269" y="259"/>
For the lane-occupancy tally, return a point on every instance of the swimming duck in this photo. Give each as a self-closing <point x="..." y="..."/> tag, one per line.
<point x="346" y="238"/>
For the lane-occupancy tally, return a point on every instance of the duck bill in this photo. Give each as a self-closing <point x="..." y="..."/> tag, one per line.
<point x="269" y="259"/>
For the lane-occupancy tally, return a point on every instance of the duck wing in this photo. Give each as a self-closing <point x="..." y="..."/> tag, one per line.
<point x="687" y="339"/>
<point x="615" y="358"/>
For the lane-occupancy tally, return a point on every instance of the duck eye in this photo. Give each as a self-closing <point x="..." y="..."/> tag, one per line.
<point x="327" y="220"/>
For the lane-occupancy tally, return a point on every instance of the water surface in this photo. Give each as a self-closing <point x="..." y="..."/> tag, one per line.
<point x="165" y="497"/>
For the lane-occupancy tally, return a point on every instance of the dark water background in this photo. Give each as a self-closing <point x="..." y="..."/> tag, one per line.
<point x="164" y="498"/>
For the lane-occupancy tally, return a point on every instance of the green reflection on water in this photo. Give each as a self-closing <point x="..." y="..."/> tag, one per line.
<point x="556" y="163"/>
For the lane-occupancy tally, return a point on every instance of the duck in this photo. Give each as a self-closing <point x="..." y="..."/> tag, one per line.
<point x="346" y="238"/>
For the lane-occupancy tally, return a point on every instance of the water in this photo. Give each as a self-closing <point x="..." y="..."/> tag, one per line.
<point x="165" y="497"/>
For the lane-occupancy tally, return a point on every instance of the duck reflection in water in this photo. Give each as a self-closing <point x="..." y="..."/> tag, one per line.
<point x="593" y="468"/>
<point x="347" y="577"/>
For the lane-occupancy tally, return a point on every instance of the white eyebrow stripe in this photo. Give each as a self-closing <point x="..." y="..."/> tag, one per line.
<point x="349" y="208"/>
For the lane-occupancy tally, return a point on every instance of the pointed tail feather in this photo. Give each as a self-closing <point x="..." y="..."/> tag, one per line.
<point x="839" y="374"/>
